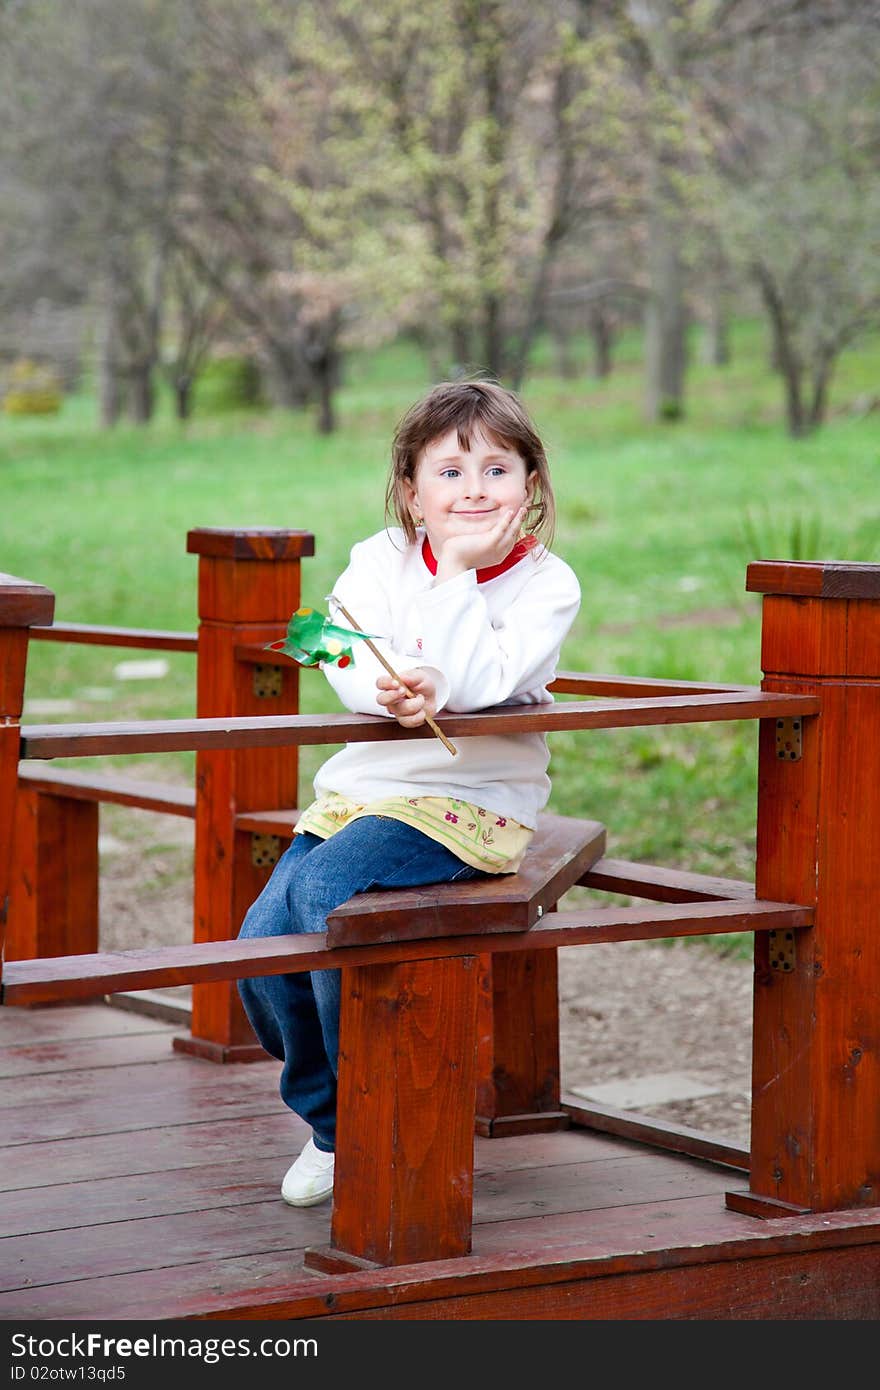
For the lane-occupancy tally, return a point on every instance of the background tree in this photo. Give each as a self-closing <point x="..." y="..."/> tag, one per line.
<point x="794" y="194"/>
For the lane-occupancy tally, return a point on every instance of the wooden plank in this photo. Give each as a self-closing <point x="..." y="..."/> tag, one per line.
<point x="164" y="798"/>
<point x="23" y="603"/>
<point x="561" y="850"/>
<point x="65" y="1023"/>
<point x="93" y="635"/>
<point x="647" y="1129"/>
<point x="557" y="1250"/>
<point x="278" y="1134"/>
<point x="65" y="1104"/>
<point x="277" y="1131"/>
<point x="181" y="735"/>
<point x="72" y="977"/>
<point x="55" y="1257"/>
<point x="52" y="1057"/>
<point x="819" y="579"/>
<point x="838" y="1285"/>
<point x="255" y="543"/>
<point x="660" y="884"/>
<point x="550" y="1254"/>
<point x="280" y="822"/>
<point x="226" y="1183"/>
<point x="592" y="683"/>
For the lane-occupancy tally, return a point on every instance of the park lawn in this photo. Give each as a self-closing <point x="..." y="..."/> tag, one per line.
<point x="658" y="522"/>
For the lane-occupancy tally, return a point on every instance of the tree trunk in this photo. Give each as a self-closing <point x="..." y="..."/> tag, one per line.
<point x="325" y="375"/>
<point x="602" y="335"/>
<point x="665" y="316"/>
<point x="566" y="362"/>
<point x="461" y="348"/>
<point x="714" y="342"/>
<point x="109" y="392"/>
<point x="141" y="397"/>
<point x="493" y="340"/>
<point x="784" y="353"/>
<point x="291" y="383"/>
<point x="821" y="382"/>
<point x="183" y="397"/>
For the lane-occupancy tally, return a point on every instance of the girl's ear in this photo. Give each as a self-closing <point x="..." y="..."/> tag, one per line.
<point x="412" y="499"/>
<point x="531" y="484"/>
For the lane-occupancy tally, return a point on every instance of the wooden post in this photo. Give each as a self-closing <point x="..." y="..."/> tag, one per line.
<point x="518" y="1044"/>
<point x="54" y="892"/>
<point x="22" y="606"/>
<point x="249" y="585"/>
<point x="815" y="1140"/>
<point x="405" y="1115"/>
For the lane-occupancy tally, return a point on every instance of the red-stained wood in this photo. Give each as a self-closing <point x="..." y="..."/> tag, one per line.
<point x="8" y="813"/>
<point x="95" y="635"/>
<point x="561" y="850"/>
<point x="254" y="543"/>
<point x="518" y="1044"/>
<point x="564" y="1224"/>
<point x="814" y="579"/>
<point x="404" y="1143"/>
<point x="659" y="884"/>
<point x="21" y="604"/>
<point x="53" y="908"/>
<point x="594" y="683"/>
<point x="179" y="735"/>
<point x="816" y="1059"/>
<point x="166" y="799"/>
<point x="69" y="978"/>
<point x="280" y="822"/>
<point x="249" y="585"/>
<point x="647" y="1129"/>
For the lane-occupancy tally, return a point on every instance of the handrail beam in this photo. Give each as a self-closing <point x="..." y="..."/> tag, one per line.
<point x="84" y="976"/>
<point x="183" y="735"/>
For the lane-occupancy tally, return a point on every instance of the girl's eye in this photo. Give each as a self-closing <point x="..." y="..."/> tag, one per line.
<point x="449" y="473"/>
<point x="497" y="471"/>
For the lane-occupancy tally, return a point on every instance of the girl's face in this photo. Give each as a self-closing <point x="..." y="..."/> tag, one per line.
<point x="457" y="491"/>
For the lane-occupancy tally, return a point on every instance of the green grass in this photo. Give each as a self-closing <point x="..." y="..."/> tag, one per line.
<point x="659" y="523"/>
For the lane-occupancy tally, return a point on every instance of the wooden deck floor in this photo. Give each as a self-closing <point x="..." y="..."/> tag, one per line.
<point x="141" y="1183"/>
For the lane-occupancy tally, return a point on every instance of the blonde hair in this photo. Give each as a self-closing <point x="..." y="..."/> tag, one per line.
<point x="464" y="406"/>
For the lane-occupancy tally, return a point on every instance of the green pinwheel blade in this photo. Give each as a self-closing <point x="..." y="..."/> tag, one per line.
<point x="312" y="639"/>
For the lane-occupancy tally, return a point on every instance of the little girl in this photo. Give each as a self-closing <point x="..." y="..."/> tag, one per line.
<point x="470" y="608"/>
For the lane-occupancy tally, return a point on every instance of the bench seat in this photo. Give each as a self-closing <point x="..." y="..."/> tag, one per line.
<point x="561" y="851"/>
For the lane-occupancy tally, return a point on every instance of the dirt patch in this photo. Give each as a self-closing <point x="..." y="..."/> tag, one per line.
<point x="628" y="1010"/>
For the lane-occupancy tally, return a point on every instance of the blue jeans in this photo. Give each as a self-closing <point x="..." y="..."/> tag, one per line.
<point x="296" y="1017"/>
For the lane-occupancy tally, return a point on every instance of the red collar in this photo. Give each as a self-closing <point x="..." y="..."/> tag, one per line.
<point x="519" y="550"/>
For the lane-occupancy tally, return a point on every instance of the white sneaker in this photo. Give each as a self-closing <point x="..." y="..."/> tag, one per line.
<point x="310" y="1179"/>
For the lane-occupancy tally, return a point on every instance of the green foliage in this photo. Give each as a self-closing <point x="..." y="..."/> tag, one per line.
<point x="31" y="389"/>
<point x="228" y="383"/>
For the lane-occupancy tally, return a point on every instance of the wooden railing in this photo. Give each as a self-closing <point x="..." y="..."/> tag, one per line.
<point x="813" y="908"/>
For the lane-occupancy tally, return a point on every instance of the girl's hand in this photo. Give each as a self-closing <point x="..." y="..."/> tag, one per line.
<point x="410" y="698"/>
<point x="480" y="548"/>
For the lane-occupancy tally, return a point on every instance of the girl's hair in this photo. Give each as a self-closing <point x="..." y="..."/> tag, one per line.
<point x="465" y="406"/>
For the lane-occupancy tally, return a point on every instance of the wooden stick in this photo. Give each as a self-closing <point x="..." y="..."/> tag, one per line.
<point x="391" y="671"/>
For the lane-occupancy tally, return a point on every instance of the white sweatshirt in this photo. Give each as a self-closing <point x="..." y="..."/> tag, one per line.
<point x="491" y="643"/>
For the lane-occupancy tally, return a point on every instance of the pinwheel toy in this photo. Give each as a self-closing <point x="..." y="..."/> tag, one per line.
<point x="312" y="639"/>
